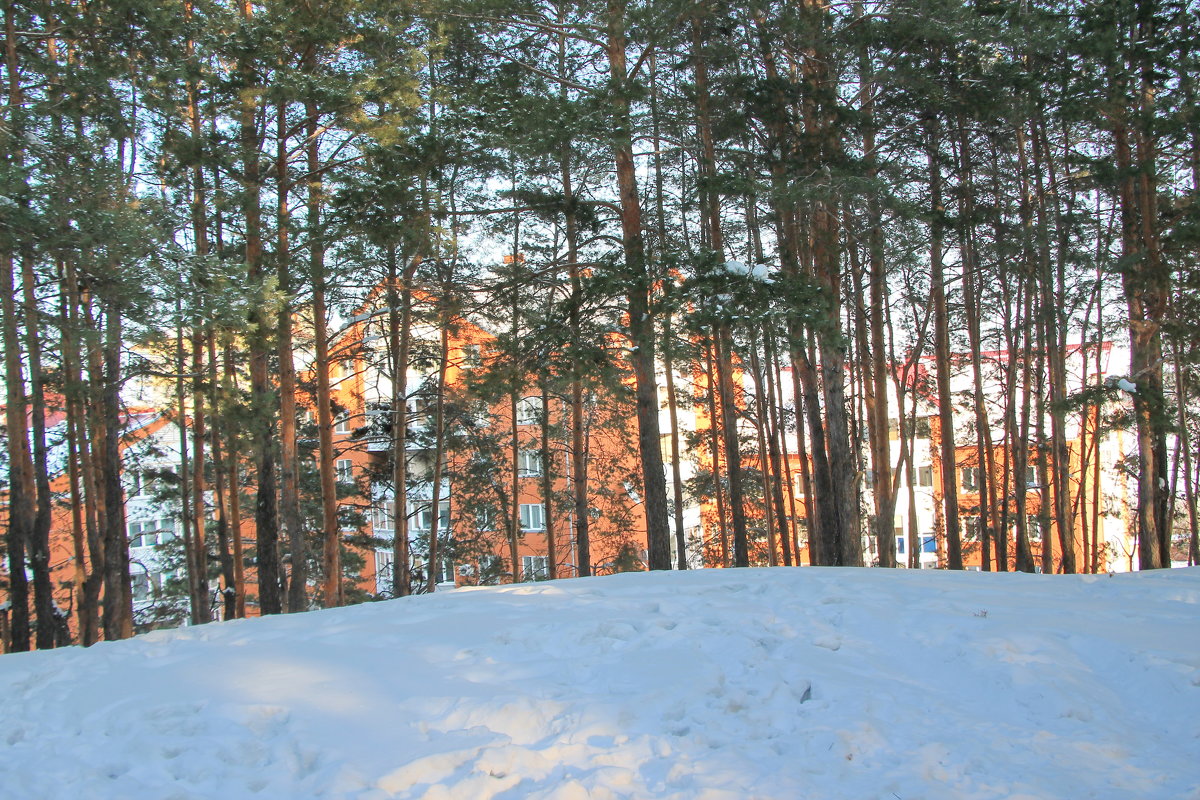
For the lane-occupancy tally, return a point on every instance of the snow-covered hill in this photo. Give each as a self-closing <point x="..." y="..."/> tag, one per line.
<point x="780" y="683"/>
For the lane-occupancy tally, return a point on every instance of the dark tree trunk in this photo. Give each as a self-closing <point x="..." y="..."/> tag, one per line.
<point x="641" y="324"/>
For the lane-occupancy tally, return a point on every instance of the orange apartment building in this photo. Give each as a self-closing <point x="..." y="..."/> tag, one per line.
<point x="476" y="497"/>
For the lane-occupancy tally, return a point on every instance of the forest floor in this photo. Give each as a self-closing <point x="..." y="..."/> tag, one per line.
<point x="715" y="684"/>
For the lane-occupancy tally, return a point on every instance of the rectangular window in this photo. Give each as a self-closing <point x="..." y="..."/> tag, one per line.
<point x="341" y="423"/>
<point x="925" y="475"/>
<point x="140" y="584"/>
<point x="916" y="429"/>
<point x="535" y="568"/>
<point x="1033" y="527"/>
<point x="423" y="518"/>
<point x="901" y="544"/>
<point x="485" y="519"/>
<point x="383" y="571"/>
<point x="471" y="357"/>
<point x="529" y="464"/>
<point x="345" y="470"/>
<point x="529" y="411"/>
<point x="150" y="532"/>
<point x="928" y="544"/>
<point x="445" y="571"/>
<point x="348" y="368"/>
<point x="383" y="516"/>
<point x="1031" y="478"/>
<point x="533" y="517"/>
<point x="971" y="529"/>
<point x="970" y="478"/>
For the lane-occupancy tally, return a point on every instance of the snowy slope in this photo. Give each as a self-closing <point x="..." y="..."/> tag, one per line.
<point x="781" y="683"/>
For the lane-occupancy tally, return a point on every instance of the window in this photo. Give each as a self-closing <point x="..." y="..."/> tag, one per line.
<point x="928" y="544"/>
<point x="341" y="423"/>
<point x="347" y="368"/>
<point x="915" y="429"/>
<point x="971" y="529"/>
<point x="145" y="484"/>
<point x="140" y="584"/>
<point x="485" y="520"/>
<point x="970" y="478"/>
<point x="490" y="567"/>
<point x="445" y="571"/>
<point x="529" y="464"/>
<point x="423" y="518"/>
<point x="1033" y="527"/>
<point x="925" y="476"/>
<point x="150" y="532"/>
<point x="1031" y="476"/>
<point x="471" y="357"/>
<point x="345" y="470"/>
<point x="901" y="544"/>
<point x="533" y="517"/>
<point x="535" y="568"/>
<point x="529" y="411"/>
<point x="383" y="571"/>
<point x="383" y="516"/>
<point x="145" y="585"/>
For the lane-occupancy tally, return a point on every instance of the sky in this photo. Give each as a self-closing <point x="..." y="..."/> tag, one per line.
<point x="712" y="684"/>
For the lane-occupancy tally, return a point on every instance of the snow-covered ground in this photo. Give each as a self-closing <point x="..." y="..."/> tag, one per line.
<point x="780" y="683"/>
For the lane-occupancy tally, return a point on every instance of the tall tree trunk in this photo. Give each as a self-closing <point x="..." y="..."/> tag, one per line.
<point x="715" y="452"/>
<point x="195" y="598"/>
<point x="579" y="456"/>
<point x="676" y="462"/>
<point x="439" y="443"/>
<point x="118" y="596"/>
<point x="235" y="505"/>
<point x="216" y="430"/>
<point x="399" y="341"/>
<point x="48" y="618"/>
<point x="1053" y="324"/>
<point x="21" y="492"/>
<point x="331" y="535"/>
<point x="547" y="485"/>
<point x="985" y="458"/>
<point x="83" y="529"/>
<point x="289" y="462"/>
<point x="641" y="323"/>
<point x="262" y="398"/>
<point x="941" y="347"/>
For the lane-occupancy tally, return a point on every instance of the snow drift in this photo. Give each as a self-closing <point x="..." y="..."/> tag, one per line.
<point x="779" y="683"/>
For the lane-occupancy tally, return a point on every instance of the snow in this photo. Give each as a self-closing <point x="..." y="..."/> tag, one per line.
<point x="761" y="683"/>
<point x="756" y="272"/>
